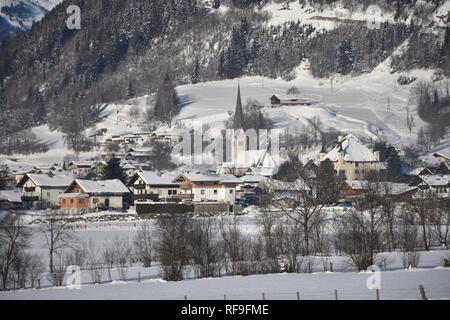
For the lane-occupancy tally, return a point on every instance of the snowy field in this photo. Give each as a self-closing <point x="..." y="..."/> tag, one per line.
<point x="396" y="283"/>
<point x="317" y="286"/>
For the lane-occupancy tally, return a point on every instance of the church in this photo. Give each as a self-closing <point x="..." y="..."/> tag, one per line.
<point x="243" y="159"/>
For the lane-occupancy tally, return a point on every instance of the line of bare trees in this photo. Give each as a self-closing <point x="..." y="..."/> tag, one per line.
<point x="299" y="237"/>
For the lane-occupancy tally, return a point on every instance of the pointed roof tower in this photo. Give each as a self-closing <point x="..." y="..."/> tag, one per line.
<point x="238" y="114"/>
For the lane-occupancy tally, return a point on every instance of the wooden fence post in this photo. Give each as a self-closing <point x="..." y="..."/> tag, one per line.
<point x="39" y="284"/>
<point x="422" y="292"/>
<point x="331" y="266"/>
<point x="139" y="277"/>
<point x="298" y="295"/>
<point x="185" y="297"/>
<point x="335" y="294"/>
<point x="378" y="293"/>
<point x="224" y="297"/>
<point x="263" y="296"/>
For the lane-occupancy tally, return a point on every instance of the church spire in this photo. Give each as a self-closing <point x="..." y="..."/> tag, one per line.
<point x="238" y="114"/>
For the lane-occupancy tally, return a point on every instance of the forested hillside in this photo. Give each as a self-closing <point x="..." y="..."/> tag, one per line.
<point x="126" y="48"/>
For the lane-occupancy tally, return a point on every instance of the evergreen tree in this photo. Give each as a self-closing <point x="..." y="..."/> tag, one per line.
<point x="195" y="76"/>
<point x="167" y="101"/>
<point x="113" y="170"/>
<point x="394" y="166"/>
<point x="344" y="57"/>
<point x="131" y="92"/>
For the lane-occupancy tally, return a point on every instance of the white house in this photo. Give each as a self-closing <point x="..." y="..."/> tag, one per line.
<point x="352" y="159"/>
<point x="42" y="190"/>
<point x="150" y="185"/>
<point x="208" y="187"/>
<point x="436" y="185"/>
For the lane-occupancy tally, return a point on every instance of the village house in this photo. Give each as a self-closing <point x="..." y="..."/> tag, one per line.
<point x="396" y="192"/>
<point x="42" y="190"/>
<point x="81" y="168"/>
<point x="278" y="102"/>
<point x="84" y="196"/>
<point x="207" y="187"/>
<point x="11" y="199"/>
<point x="287" y="194"/>
<point x="434" y="186"/>
<point x="351" y="159"/>
<point x="148" y="185"/>
<point x="142" y="154"/>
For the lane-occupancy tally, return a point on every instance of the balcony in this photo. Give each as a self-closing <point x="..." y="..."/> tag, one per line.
<point x="29" y="189"/>
<point x="139" y="186"/>
<point x="30" y="199"/>
<point x="186" y="196"/>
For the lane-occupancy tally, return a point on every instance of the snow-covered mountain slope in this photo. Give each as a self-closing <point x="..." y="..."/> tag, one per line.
<point x="357" y="106"/>
<point x="19" y="15"/>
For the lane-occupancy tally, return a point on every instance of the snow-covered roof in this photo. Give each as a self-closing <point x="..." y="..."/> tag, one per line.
<point x="400" y="188"/>
<point x="221" y="178"/>
<point x="11" y="195"/>
<point x="357" y="184"/>
<point x="442" y="154"/>
<point x="278" y="185"/>
<point x="437" y="179"/>
<point x="16" y="167"/>
<point x="80" y="164"/>
<point x="102" y="187"/>
<point x="354" y="151"/>
<point x="152" y="178"/>
<point x="252" y="178"/>
<point x="44" y="180"/>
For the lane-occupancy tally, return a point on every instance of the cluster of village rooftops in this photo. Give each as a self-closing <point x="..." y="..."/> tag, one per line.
<point x="243" y="180"/>
<point x="53" y="187"/>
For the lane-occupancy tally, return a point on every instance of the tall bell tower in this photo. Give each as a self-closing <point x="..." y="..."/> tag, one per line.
<point x="239" y="140"/>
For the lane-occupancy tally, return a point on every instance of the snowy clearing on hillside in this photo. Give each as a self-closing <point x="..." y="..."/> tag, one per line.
<point x="355" y="105"/>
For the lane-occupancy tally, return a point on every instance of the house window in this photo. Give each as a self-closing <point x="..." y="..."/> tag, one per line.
<point x="202" y="192"/>
<point x="48" y="194"/>
<point x="80" y="200"/>
<point x="356" y="164"/>
<point x="174" y="192"/>
<point x="71" y="201"/>
<point x="215" y="191"/>
<point x="64" y="201"/>
<point x="170" y="192"/>
<point x="231" y="191"/>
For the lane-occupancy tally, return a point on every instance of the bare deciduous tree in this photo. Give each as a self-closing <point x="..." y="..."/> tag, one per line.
<point x="57" y="233"/>
<point x="205" y="247"/>
<point x="14" y="237"/>
<point x="172" y="247"/>
<point x="143" y="244"/>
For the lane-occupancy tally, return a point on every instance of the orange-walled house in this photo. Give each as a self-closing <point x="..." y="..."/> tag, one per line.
<point x="83" y="196"/>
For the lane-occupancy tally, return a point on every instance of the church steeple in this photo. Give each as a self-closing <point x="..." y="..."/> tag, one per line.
<point x="238" y="114"/>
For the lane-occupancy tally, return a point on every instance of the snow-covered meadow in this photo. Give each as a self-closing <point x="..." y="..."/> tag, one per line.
<point x="396" y="283"/>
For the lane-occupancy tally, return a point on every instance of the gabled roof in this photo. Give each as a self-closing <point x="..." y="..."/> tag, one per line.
<point x="152" y="178"/>
<point x="102" y="187"/>
<point x="437" y="180"/>
<point x="357" y="184"/>
<point x="43" y="180"/>
<point x="220" y="178"/>
<point x="11" y="195"/>
<point x="278" y="185"/>
<point x="354" y="151"/>
<point x="252" y="178"/>
<point x="417" y="171"/>
<point x="442" y="154"/>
